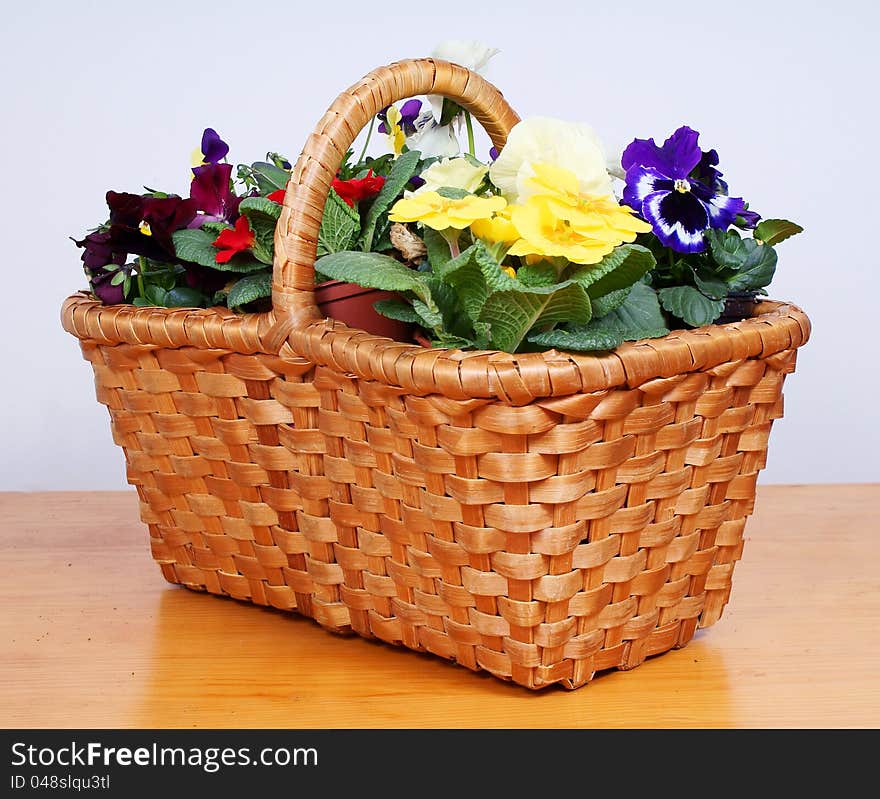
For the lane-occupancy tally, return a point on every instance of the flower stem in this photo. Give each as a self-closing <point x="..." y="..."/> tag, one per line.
<point x="468" y="123"/>
<point x="367" y="140"/>
<point x="142" y="265"/>
<point x="451" y="235"/>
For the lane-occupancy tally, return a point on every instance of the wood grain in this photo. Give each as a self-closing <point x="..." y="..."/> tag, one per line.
<point x="91" y="636"/>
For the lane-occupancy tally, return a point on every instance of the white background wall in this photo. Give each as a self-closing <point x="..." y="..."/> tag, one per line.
<point x="99" y="95"/>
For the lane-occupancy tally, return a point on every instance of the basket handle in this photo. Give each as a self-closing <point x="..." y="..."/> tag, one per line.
<point x="296" y="234"/>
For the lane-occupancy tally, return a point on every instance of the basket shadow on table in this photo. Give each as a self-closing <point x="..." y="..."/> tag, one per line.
<point x="221" y="663"/>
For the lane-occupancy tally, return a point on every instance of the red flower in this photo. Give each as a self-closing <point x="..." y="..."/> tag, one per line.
<point x="276" y="196"/>
<point x="234" y="241"/>
<point x="355" y="190"/>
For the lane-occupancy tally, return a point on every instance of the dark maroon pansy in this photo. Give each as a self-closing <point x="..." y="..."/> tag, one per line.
<point x="164" y="215"/>
<point x="97" y="255"/>
<point x="98" y="251"/>
<point x="104" y="290"/>
<point x="211" y="190"/>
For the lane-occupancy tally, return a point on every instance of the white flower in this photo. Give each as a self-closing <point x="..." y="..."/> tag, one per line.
<point x="433" y="140"/>
<point x="453" y="173"/>
<point x="568" y="145"/>
<point x="471" y="54"/>
<point x="468" y="53"/>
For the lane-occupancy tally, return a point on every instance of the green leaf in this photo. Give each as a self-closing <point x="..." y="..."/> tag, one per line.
<point x="452" y="193"/>
<point x="397" y="309"/>
<point x="467" y="275"/>
<point x="477" y="255"/>
<point x="451" y="342"/>
<point x="618" y="270"/>
<point x="710" y="283"/>
<point x="578" y="339"/>
<point x="438" y="248"/>
<point x="428" y="317"/>
<point x="196" y="246"/>
<point x="403" y="169"/>
<point x="608" y="302"/>
<point x="448" y="111"/>
<point x="455" y="317"/>
<point x="260" y="205"/>
<point x="184" y="297"/>
<point x="250" y="288"/>
<point x="539" y="274"/>
<point x="340" y="226"/>
<point x="690" y="305"/>
<point x="370" y="269"/>
<point x="753" y="264"/>
<point x="215" y="228"/>
<point x="379" y="165"/>
<point x="512" y="314"/>
<point x="638" y="317"/>
<point x="262" y="215"/>
<point x="269" y="177"/>
<point x="155" y="295"/>
<point x="772" y="231"/>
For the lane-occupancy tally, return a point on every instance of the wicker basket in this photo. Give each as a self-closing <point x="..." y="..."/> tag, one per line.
<point x="541" y="516"/>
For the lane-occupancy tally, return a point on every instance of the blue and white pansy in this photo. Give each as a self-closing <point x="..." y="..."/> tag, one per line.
<point x="677" y="189"/>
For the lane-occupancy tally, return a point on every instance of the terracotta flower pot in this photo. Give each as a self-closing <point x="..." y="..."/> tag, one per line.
<point x="353" y="305"/>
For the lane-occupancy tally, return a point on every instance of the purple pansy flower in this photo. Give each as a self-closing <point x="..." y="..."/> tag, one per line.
<point x="409" y="113"/>
<point x="748" y="219"/>
<point x="214" y="149"/>
<point x="678" y="190"/>
<point x="493" y="153"/>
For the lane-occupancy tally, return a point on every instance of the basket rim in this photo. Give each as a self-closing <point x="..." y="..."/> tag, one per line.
<point x="457" y="374"/>
<point x="518" y="379"/>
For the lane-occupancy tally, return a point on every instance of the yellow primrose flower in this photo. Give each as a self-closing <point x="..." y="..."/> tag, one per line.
<point x="395" y="131"/>
<point x="509" y="271"/>
<point x="599" y="216"/>
<point x="440" y="213"/>
<point x="453" y="173"/>
<point x="546" y="234"/>
<point x="497" y="229"/>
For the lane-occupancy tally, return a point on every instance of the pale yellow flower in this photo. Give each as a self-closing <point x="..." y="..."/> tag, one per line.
<point x="396" y="136"/>
<point x="196" y="158"/>
<point x="541" y="140"/>
<point x="453" y="173"/>
<point x="441" y="213"/>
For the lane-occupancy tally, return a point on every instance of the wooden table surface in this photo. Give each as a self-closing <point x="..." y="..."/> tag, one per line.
<point x="92" y="636"/>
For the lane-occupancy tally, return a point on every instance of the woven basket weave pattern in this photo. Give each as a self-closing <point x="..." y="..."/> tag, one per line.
<point x="542" y="516"/>
<point x="542" y="542"/>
